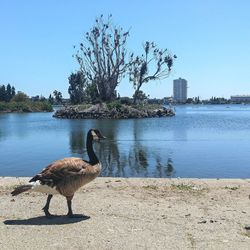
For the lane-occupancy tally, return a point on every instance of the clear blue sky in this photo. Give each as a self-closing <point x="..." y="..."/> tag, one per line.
<point x="211" y="39"/>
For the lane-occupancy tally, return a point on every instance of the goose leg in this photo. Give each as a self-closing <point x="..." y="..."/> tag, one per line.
<point x="46" y="207"/>
<point x="70" y="212"/>
<point x="69" y="203"/>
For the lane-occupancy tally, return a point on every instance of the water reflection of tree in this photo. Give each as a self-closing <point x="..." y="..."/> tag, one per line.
<point x="77" y="142"/>
<point x="1" y="135"/>
<point x="77" y="138"/>
<point x="135" y="159"/>
<point x="164" y="170"/>
<point x="138" y="154"/>
<point x="113" y="162"/>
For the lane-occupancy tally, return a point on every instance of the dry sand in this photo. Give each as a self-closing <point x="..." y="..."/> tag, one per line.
<point x="131" y="214"/>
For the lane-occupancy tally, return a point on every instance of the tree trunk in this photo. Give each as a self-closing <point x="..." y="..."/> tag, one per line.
<point x="107" y="92"/>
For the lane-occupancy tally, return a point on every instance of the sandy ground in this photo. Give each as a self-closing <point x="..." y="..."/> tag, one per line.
<point x="131" y="214"/>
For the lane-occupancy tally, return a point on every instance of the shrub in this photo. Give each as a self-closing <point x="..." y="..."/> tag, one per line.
<point x="114" y="104"/>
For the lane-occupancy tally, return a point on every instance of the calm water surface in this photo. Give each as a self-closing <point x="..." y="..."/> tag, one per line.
<point x="206" y="141"/>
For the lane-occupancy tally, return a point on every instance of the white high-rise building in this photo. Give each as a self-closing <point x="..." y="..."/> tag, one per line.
<point x="180" y="90"/>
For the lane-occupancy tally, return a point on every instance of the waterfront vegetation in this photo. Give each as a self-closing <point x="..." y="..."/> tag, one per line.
<point x="10" y="101"/>
<point x="25" y="106"/>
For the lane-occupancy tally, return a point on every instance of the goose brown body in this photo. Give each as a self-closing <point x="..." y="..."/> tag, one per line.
<point x="66" y="176"/>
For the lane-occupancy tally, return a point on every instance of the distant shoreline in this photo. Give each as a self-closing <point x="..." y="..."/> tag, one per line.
<point x="25" y="107"/>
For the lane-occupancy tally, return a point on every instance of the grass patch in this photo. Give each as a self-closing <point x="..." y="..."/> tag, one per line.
<point x="150" y="187"/>
<point x="183" y="187"/>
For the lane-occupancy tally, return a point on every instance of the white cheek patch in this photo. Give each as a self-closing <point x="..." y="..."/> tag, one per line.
<point x="95" y="137"/>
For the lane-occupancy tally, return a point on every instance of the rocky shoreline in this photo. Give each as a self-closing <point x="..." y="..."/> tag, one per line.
<point x="103" y="111"/>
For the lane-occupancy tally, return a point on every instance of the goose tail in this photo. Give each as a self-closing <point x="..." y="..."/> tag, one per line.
<point x="21" y="189"/>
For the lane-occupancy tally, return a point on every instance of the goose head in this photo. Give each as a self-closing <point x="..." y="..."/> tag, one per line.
<point x="96" y="134"/>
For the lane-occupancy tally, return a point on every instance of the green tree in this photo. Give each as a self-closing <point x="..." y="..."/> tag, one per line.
<point x="2" y="93"/>
<point x="153" y="64"/>
<point x="77" y="85"/>
<point x="58" y="96"/>
<point x="141" y="96"/>
<point x="51" y="99"/>
<point x="13" y="91"/>
<point x="8" y="93"/>
<point x="102" y="56"/>
<point x="20" y="97"/>
<point x="92" y="93"/>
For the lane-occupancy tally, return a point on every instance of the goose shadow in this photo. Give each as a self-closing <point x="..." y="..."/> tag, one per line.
<point x="42" y="220"/>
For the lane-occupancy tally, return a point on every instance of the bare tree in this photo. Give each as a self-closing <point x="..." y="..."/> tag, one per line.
<point x="157" y="61"/>
<point x="102" y="56"/>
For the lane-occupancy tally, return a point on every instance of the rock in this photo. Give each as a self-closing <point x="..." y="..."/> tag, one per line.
<point x="247" y="227"/>
<point x="202" y="222"/>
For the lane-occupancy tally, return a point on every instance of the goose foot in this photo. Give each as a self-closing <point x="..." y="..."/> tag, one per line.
<point x="49" y="215"/>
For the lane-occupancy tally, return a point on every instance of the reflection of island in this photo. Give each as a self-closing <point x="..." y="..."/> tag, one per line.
<point x="122" y="158"/>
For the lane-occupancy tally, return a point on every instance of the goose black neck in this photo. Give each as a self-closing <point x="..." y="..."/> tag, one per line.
<point x="92" y="156"/>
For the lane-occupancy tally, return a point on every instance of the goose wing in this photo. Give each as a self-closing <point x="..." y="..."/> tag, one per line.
<point x="60" y="170"/>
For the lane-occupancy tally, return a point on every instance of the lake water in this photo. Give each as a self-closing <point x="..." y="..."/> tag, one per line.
<point x="204" y="141"/>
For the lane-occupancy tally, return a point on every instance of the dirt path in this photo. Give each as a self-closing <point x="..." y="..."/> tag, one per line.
<point x="131" y="214"/>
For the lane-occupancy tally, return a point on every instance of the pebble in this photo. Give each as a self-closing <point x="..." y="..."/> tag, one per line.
<point x="203" y="221"/>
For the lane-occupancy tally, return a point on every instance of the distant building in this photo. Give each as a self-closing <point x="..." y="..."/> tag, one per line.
<point x="240" y="98"/>
<point x="180" y="90"/>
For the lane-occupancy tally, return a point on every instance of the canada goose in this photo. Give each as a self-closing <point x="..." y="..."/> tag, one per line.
<point x="65" y="176"/>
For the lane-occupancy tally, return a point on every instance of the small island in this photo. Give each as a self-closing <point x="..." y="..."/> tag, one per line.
<point x="104" y="61"/>
<point x="113" y="110"/>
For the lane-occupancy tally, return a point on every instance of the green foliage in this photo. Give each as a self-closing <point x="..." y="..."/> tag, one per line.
<point x="20" y="97"/>
<point x="58" y="96"/>
<point x="2" y="93"/>
<point x="114" y="104"/>
<point x="51" y="99"/>
<point x="76" y="90"/>
<point x="6" y="93"/>
<point x="125" y="100"/>
<point x="25" y="106"/>
<point x="92" y="93"/>
<point x="140" y="96"/>
<point x="183" y="187"/>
